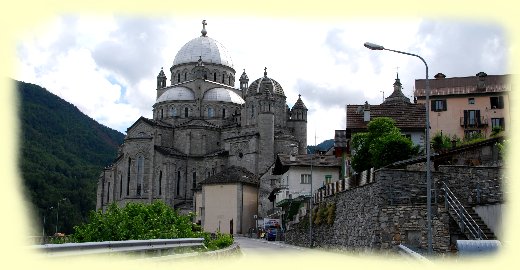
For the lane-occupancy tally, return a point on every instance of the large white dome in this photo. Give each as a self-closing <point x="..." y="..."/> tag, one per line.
<point x="222" y="94"/>
<point x="176" y="93"/>
<point x="210" y="50"/>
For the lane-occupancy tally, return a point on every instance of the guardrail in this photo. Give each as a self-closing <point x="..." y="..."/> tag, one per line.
<point x="142" y="246"/>
<point x="407" y="252"/>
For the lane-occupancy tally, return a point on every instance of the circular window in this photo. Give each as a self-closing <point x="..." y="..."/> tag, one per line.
<point x="240" y="155"/>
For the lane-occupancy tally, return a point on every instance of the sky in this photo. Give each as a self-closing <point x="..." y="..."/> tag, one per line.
<point x="107" y="65"/>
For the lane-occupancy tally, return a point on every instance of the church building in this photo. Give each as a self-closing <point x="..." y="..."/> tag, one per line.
<point x="201" y="126"/>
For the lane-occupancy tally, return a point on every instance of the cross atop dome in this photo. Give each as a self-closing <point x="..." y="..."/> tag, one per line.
<point x="204" y="32"/>
<point x="265" y="72"/>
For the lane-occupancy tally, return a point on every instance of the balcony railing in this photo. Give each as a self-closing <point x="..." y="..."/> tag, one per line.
<point x="473" y="122"/>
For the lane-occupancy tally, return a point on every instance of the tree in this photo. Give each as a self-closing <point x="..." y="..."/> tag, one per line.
<point x="381" y="145"/>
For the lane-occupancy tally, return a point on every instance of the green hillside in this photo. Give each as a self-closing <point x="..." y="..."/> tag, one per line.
<point x="62" y="153"/>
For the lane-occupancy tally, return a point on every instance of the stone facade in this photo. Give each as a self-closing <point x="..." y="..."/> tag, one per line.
<point x="391" y="210"/>
<point x="201" y="125"/>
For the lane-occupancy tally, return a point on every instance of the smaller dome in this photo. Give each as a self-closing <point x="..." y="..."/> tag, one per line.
<point x="176" y="93"/>
<point x="299" y="104"/>
<point x="222" y="94"/>
<point x="256" y="86"/>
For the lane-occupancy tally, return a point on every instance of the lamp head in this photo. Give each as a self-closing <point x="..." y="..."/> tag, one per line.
<point x="373" y="46"/>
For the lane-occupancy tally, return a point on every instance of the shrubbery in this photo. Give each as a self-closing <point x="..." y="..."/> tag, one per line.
<point x="138" y="221"/>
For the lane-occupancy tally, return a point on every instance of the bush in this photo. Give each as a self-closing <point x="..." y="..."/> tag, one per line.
<point x="136" y="221"/>
<point x="221" y="241"/>
<point x="440" y="142"/>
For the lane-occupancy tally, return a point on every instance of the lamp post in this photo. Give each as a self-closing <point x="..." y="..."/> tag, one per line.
<point x="58" y="212"/>
<point x="373" y="46"/>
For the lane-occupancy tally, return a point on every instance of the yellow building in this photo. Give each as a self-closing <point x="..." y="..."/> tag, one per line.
<point x="227" y="201"/>
<point x="463" y="106"/>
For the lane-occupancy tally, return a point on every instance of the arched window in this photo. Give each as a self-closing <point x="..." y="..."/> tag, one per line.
<point x="128" y="177"/>
<point x="120" y="185"/>
<point x="223" y="113"/>
<point x="194" y="185"/>
<point x="211" y="113"/>
<point x="222" y="78"/>
<point x="162" y="114"/>
<point x="140" y="174"/>
<point x="160" y="183"/>
<point x="173" y="111"/>
<point x="178" y="186"/>
<point x="179" y="77"/>
<point x="185" y="76"/>
<point x="215" y="77"/>
<point x="186" y="112"/>
<point x="229" y="79"/>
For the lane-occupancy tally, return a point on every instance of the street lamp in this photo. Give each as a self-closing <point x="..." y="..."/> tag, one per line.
<point x="57" y="213"/>
<point x="377" y="47"/>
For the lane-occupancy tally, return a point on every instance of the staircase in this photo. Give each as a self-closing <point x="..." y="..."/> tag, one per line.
<point x="467" y="219"/>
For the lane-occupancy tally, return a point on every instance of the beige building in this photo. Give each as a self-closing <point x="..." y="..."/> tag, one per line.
<point x="462" y="106"/>
<point x="227" y="201"/>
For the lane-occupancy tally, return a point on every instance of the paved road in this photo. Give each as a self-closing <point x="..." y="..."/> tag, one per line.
<point x="259" y="247"/>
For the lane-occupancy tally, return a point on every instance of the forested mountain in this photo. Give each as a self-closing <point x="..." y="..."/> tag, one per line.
<point x="323" y="146"/>
<point x="62" y="153"/>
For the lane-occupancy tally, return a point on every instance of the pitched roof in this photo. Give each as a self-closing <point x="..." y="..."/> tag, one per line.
<point x="197" y="123"/>
<point x="463" y="85"/>
<point x="232" y="174"/>
<point x="406" y="116"/>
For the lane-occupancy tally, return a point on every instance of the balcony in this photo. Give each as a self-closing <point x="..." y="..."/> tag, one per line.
<point x="473" y="122"/>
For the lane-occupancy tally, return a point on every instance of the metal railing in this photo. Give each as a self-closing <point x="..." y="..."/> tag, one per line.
<point x="407" y="252"/>
<point x="465" y="221"/>
<point x="88" y="248"/>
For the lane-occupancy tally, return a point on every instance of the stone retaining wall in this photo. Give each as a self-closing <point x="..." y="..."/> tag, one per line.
<point x="392" y="210"/>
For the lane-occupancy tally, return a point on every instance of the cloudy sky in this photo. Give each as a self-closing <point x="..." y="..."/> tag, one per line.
<point x="107" y="65"/>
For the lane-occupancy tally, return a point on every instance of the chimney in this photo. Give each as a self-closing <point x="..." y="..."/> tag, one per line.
<point x="366" y="112"/>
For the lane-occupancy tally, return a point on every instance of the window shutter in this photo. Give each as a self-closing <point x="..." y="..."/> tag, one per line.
<point x="500" y="102"/>
<point x="444" y="105"/>
<point x="432" y="107"/>
<point x="477" y="115"/>
<point x="466" y="118"/>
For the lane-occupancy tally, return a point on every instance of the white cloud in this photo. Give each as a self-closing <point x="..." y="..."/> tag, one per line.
<point x="107" y="66"/>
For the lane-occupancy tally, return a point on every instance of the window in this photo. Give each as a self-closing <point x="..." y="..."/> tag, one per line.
<point x="222" y="78"/>
<point x="179" y="77"/>
<point x="471" y="133"/>
<point x="472" y="118"/>
<point x="178" y="186"/>
<point x="211" y="112"/>
<point x="185" y="75"/>
<point x="223" y="113"/>
<point x="173" y="111"/>
<point x="140" y="174"/>
<point x="128" y="177"/>
<point x="497" y="102"/>
<point x="497" y="122"/>
<point x="108" y="193"/>
<point x="328" y="179"/>
<point x="160" y="183"/>
<point x="305" y="179"/>
<point x="186" y="112"/>
<point x="215" y="77"/>
<point x="439" y="105"/>
<point x="194" y="185"/>
<point x="471" y="101"/>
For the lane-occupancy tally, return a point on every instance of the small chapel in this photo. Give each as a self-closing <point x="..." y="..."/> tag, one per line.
<point x="202" y="126"/>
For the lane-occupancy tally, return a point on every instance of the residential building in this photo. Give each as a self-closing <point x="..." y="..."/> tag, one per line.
<point x="462" y="106"/>
<point x="409" y="117"/>
<point x="298" y="175"/>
